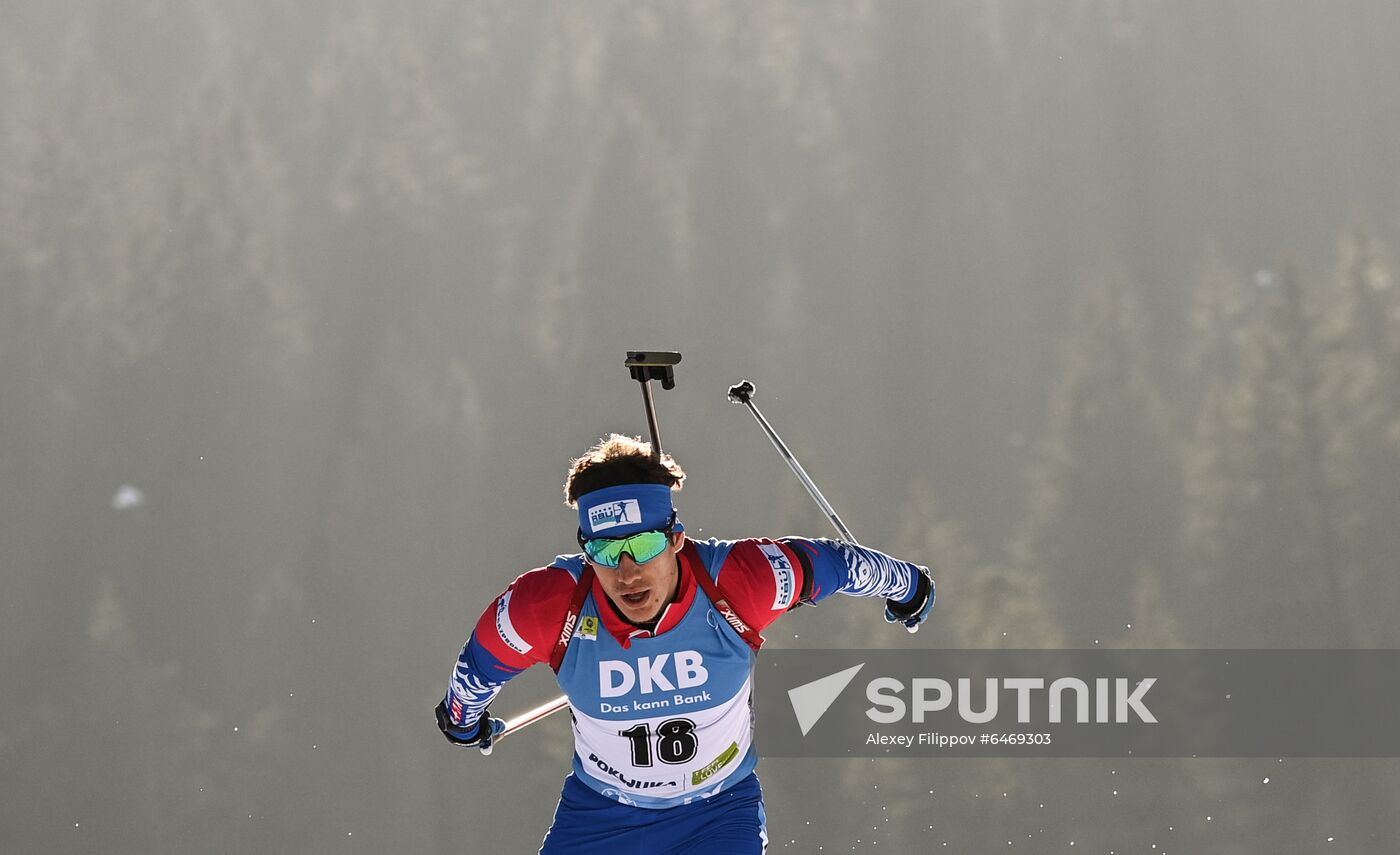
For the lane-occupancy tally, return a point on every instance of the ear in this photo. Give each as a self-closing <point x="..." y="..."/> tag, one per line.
<point x="677" y="541"/>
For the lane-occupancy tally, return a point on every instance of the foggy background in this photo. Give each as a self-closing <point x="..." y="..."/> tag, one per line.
<point x="304" y="308"/>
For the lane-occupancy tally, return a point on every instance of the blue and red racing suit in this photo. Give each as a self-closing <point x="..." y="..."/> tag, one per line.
<point x="662" y="718"/>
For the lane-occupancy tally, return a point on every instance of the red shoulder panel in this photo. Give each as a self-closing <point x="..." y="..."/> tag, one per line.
<point x="762" y="579"/>
<point x="521" y="625"/>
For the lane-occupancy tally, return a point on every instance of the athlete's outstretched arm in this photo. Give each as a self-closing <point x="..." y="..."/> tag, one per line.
<point x="766" y="578"/>
<point x="838" y="567"/>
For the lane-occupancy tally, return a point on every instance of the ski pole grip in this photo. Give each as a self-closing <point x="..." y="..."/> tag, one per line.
<point x="740" y="393"/>
<point x="647" y="365"/>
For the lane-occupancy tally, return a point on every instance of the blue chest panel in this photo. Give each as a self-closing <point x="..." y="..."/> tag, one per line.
<point x="700" y="663"/>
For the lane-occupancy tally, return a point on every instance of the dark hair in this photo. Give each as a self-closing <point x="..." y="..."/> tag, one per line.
<point x="618" y="459"/>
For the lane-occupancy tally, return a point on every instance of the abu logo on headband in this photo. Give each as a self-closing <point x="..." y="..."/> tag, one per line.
<point x="612" y="514"/>
<point x="625" y="509"/>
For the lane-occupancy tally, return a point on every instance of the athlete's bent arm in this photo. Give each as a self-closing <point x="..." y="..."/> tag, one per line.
<point x="515" y="631"/>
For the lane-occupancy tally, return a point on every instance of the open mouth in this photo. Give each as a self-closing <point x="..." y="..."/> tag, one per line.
<point x="635" y="599"/>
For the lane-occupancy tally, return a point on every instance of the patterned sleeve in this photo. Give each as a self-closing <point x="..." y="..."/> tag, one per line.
<point x="838" y="567"/>
<point x="517" y="630"/>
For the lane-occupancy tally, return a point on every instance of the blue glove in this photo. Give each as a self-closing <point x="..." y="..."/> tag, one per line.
<point x="482" y="733"/>
<point x="919" y="607"/>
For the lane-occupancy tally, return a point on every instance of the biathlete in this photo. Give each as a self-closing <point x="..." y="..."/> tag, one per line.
<point x="652" y="636"/>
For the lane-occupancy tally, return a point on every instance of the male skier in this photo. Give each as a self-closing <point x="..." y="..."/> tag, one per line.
<point x="652" y="636"/>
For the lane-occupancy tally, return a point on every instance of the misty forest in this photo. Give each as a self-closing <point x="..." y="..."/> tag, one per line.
<point x="1091" y="305"/>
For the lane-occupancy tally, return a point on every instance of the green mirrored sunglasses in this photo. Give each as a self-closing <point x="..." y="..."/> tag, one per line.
<point x="642" y="546"/>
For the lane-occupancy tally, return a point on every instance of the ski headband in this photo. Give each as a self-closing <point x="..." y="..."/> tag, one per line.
<point x="625" y="510"/>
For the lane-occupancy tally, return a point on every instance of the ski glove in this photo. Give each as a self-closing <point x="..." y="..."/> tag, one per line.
<point x="482" y="734"/>
<point x="917" y="610"/>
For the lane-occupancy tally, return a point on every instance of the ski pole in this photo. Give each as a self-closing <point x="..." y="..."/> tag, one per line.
<point x="526" y="719"/>
<point x="644" y="367"/>
<point x="742" y="393"/>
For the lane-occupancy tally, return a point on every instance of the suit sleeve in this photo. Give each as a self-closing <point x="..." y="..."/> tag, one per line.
<point x="764" y="579"/>
<point x="517" y="630"/>
<point x="838" y="567"/>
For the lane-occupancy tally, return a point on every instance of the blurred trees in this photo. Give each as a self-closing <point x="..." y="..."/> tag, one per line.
<point x="1285" y="516"/>
<point x="1104" y="494"/>
<point x="1358" y="329"/>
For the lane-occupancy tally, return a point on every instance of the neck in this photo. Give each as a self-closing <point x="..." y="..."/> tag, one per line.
<point x="648" y="625"/>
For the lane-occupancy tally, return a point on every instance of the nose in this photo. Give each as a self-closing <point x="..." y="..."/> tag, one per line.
<point x="627" y="568"/>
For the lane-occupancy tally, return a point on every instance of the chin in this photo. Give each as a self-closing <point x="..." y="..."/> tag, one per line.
<point x="646" y="613"/>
